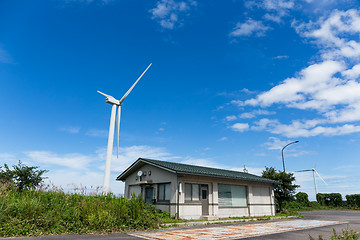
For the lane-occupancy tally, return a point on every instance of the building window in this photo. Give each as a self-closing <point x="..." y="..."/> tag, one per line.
<point x="192" y="192"/>
<point x="164" y="192"/>
<point x="232" y="195"/>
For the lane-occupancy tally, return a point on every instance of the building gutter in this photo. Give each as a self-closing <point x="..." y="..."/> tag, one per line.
<point x="178" y="197"/>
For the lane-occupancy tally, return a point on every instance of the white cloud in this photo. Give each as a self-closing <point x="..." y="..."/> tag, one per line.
<point x="97" y="133"/>
<point x="231" y="118"/>
<point x="275" y="143"/>
<point x="352" y="73"/>
<point x="240" y="127"/>
<point x="167" y="12"/>
<point x="293" y="130"/>
<point x="272" y="17"/>
<point x="90" y="181"/>
<point x="332" y="34"/>
<point x="7" y="157"/>
<point x="128" y="155"/>
<point x="275" y="9"/>
<point x="236" y="93"/>
<point x="223" y="139"/>
<point x="271" y="5"/>
<point x="239" y="103"/>
<point x="264" y="123"/>
<point x="70" y="129"/>
<point x="255" y="113"/>
<point x="294" y="91"/>
<point x="248" y="28"/>
<point x="247" y="115"/>
<point x="75" y="170"/>
<point x="5" y="56"/>
<point x="281" y="57"/>
<point x="72" y="160"/>
<point x="331" y="87"/>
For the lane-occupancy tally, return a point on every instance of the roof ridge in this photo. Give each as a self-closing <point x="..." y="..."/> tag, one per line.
<point x="190" y="165"/>
<point x="199" y="170"/>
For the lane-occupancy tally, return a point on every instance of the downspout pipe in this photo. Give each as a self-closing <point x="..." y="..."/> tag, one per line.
<point x="178" y="197"/>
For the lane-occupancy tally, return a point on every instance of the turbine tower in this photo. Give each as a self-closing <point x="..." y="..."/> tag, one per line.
<point x="115" y="103"/>
<point x="313" y="170"/>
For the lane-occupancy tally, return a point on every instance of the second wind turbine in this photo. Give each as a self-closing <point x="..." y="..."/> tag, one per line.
<point x="115" y="103"/>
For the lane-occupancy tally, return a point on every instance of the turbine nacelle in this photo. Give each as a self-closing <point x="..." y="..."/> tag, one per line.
<point x="110" y="99"/>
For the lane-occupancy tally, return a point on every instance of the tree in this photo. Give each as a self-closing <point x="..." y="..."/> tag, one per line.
<point x="285" y="191"/>
<point x="22" y="176"/>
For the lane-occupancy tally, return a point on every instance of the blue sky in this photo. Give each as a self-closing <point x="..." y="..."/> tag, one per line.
<point x="230" y="85"/>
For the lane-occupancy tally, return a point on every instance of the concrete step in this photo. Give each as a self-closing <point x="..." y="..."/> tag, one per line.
<point x="209" y="218"/>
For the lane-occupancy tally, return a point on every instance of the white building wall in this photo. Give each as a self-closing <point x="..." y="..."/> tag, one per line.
<point x="134" y="190"/>
<point x="260" y="196"/>
<point x="261" y="200"/>
<point x="225" y="212"/>
<point x="157" y="176"/>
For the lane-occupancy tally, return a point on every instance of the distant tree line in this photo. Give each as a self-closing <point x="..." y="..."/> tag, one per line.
<point x="286" y="199"/>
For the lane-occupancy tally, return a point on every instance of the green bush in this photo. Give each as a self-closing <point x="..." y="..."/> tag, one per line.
<point x="21" y="176"/>
<point x="353" y="200"/>
<point x="329" y="199"/>
<point x="38" y="212"/>
<point x="347" y="234"/>
<point x="303" y="199"/>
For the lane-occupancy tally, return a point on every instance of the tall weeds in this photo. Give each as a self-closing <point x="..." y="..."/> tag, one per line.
<point x="39" y="212"/>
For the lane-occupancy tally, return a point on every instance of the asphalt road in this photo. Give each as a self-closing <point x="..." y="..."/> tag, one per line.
<point x="352" y="219"/>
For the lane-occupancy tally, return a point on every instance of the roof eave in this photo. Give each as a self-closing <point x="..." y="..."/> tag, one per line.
<point x="269" y="181"/>
<point x="128" y="171"/>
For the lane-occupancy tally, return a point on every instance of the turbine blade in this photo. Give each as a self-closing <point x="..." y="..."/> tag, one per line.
<point x="316" y="163"/>
<point x="118" y="128"/>
<point x="308" y="170"/>
<point x="105" y="95"/>
<point x="320" y="176"/>
<point x="130" y="89"/>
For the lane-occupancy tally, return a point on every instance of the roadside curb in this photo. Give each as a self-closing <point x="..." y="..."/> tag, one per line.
<point x="181" y="224"/>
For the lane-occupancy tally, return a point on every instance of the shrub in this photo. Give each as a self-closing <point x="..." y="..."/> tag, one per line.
<point x="329" y="199"/>
<point x="293" y="206"/>
<point x="31" y="212"/>
<point x="303" y="199"/>
<point x="22" y="176"/>
<point x="347" y="234"/>
<point x="353" y="200"/>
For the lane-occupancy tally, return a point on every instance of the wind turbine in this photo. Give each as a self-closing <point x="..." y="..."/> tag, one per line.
<point x="314" y="175"/>
<point x="115" y="103"/>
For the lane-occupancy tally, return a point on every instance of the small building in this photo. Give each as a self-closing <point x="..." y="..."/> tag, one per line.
<point x="194" y="192"/>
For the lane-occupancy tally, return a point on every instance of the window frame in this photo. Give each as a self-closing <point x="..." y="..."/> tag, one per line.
<point x="246" y="196"/>
<point x="191" y="191"/>
<point x="164" y="193"/>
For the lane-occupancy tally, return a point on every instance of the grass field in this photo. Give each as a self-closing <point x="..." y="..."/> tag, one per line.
<point x="39" y="212"/>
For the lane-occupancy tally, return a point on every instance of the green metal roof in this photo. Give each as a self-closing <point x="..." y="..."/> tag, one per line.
<point x="198" y="170"/>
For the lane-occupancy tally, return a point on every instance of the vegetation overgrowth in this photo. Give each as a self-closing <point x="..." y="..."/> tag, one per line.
<point x="38" y="212"/>
<point x="346" y="234"/>
<point x="284" y="191"/>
